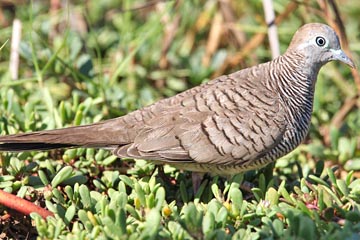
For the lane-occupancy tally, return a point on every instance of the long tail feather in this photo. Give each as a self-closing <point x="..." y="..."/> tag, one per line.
<point x="19" y="147"/>
<point x="94" y="135"/>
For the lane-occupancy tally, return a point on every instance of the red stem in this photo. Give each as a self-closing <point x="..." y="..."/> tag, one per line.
<point x="21" y="205"/>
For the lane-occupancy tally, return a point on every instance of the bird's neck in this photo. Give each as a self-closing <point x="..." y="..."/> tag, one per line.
<point x="294" y="77"/>
<point x="295" y="84"/>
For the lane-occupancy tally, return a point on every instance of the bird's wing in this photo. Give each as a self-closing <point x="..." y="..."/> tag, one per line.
<point x="234" y="137"/>
<point x="219" y="139"/>
<point x="223" y="122"/>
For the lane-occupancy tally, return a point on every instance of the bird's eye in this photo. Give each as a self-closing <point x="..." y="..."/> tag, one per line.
<point x="320" y="41"/>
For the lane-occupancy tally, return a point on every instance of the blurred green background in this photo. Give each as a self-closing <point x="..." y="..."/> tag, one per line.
<point x="86" y="61"/>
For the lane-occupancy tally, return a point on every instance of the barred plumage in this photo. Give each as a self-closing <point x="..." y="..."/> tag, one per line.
<point x="234" y="123"/>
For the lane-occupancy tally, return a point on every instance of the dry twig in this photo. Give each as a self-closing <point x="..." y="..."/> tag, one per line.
<point x="15" y="47"/>
<point x="272" y="29"/>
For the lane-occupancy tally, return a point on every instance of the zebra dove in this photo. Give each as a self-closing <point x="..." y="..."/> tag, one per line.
<point x="231" y="124"/>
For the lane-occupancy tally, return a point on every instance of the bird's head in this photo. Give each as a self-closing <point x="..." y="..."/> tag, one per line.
<point x="319" y="44"/>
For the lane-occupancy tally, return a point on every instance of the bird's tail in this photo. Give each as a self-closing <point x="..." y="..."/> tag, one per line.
<point x="94" y="135"/>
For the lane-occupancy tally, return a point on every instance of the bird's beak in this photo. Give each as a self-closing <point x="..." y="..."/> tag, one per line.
<point x="339" y="54"/>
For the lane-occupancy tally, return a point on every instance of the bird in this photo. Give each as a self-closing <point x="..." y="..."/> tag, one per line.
<point x="231" y="124"/>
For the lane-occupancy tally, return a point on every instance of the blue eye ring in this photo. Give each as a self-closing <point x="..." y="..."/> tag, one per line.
<point x="320" y="41"/>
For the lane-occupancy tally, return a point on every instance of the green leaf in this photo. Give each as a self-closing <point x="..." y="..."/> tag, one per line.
<point x="127" y="180"/>
<point x="285" y="193"/>
<point x="353" y="216"/>
<point x="43" y="177"/>
<point x="318" y="180"/>
<point x="273" y="196"/>
<point x="61" y="176"/>
<point x="278" y="227"/>
<point x="69" y="214"/>
<point x="221" y="216"/>
<point x="208" y="223"/>
<point x="152" y="224"/>
<point x="343" y="187"/>
<point x="236" y="198"/>
<point x="160" y="198"/>
<point x="140" y="194"/>
<point x="109" y="160"/>
<point x="183" y="193"/>
<point x="331" y="175"/>
<point x="85" y="196"/>
<point x="262" y="184"/>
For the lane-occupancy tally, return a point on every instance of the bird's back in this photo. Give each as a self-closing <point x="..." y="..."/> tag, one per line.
<point x="230" y="121"/>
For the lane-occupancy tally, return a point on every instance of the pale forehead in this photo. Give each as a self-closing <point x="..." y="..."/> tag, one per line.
<point x="313" y="30"/>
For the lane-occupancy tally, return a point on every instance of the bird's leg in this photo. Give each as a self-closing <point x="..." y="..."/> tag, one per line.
<point x="164" y="177"/>
<point x="197" y="178"/>
<point x="161" y="173"/>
